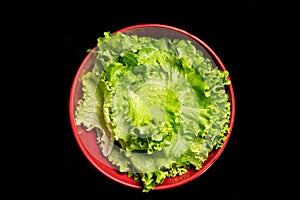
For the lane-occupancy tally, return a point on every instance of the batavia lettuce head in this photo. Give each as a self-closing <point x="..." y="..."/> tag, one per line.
<point x="159" y="107"/>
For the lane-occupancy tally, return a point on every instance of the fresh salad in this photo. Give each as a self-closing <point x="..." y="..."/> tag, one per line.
<point x="158" y="106"/>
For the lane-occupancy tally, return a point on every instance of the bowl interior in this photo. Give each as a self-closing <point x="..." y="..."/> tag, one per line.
<point x="87" y="139"/>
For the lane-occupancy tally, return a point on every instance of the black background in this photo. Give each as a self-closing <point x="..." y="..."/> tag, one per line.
<point x="254" y="40"/>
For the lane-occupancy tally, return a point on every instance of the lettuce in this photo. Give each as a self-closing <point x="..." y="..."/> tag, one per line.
<point x="158" y="106"/>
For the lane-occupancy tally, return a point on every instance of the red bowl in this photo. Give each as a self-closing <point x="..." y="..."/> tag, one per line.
<point x="87" y="141"/>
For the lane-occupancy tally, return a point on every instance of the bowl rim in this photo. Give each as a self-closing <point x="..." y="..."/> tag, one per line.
<point x="208" y="164"/>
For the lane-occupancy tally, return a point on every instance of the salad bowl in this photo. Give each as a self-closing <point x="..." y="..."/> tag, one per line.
<point x="151" y="106"/>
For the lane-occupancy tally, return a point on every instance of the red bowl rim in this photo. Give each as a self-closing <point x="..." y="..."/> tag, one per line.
<point x="195" y="174"/>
